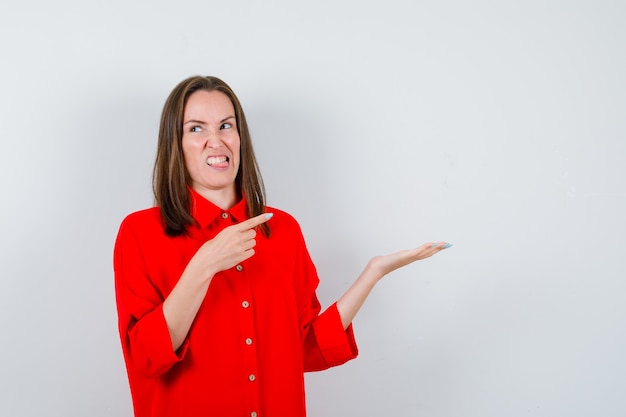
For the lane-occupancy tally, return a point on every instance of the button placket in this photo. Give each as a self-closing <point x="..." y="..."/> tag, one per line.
<point x="248" y="338"/>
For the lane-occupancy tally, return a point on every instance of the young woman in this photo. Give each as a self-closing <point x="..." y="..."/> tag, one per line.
<point x="218" y="314"/>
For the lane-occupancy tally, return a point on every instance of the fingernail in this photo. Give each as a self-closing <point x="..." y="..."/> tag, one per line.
<point x="269" y="215"/>
<point x="447" y="245"/>
<point x="434" y="245"/>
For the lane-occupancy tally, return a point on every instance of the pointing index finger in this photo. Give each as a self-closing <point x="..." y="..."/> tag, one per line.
<point x="255" y="221"/>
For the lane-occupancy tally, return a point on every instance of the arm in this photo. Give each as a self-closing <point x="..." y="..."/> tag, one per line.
<point x="231" y="246"/>
<point x="153" y="330"/>
<point x="379" y="266"/>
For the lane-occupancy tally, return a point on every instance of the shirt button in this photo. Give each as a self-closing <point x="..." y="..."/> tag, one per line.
<point x="251" y="377"/>
<point x="239" y="268"/>
<point x="224" y="216"/>
<point x="248" y="341"/>
<point x="245" y="304"/>
<point x="253" y="414"/>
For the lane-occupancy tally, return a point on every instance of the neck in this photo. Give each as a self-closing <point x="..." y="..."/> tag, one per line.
<point x="224" y="198"/>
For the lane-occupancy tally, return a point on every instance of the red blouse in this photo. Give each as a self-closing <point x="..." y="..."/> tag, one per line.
<point x="258" y="330"/>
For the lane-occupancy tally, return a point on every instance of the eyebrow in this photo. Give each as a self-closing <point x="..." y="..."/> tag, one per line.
<point x="200" y="122"/>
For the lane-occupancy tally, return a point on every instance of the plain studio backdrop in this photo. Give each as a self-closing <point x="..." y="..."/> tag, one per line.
<point x="498" y="126"/>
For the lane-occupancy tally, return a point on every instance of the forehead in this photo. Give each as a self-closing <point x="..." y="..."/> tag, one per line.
<point x="208" y="105"/>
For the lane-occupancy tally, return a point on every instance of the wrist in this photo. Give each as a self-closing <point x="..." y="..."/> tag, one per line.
<point x="198" y="273"/>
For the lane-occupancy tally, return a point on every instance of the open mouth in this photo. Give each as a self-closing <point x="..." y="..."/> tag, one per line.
<point x="217" y="161"/>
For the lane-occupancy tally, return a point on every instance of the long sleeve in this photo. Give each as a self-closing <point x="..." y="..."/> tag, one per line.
<point x="145" y="338"/>
<point x="325" y="343"/>
<point x="259" y="327"/>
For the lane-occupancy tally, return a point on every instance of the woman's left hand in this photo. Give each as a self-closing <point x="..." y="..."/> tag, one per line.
<point x="379" y="266"/>
<point x="382" y="265"/>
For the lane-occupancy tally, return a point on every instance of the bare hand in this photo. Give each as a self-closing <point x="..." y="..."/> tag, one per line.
<point x="229" y="247"/>
<point x="383" y="265"/>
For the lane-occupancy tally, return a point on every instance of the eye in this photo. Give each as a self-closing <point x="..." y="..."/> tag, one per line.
<point x="195" y="129"/>
<point x="226" y="126"/>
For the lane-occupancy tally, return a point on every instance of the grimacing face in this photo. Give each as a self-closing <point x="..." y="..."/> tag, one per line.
<point x="211" y="144"/>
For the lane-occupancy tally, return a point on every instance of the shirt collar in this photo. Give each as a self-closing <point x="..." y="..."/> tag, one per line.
<point x="205" y="212"/>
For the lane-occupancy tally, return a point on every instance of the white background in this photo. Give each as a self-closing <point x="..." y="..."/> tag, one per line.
<point x="496" y="125"/>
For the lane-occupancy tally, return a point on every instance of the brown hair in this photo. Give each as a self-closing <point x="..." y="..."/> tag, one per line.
<point x="170" y="179"/>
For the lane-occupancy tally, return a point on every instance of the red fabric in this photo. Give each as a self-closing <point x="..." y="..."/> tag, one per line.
<point x="271" y="301"/>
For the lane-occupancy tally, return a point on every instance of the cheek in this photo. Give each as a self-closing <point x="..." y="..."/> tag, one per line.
<point x="190" y="156"/>
<point x="237" y="149"/>
<point x="191" y="148"/>
<point x="185" y="146"/>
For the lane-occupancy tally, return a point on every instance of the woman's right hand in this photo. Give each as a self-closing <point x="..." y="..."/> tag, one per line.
<point x="228" y="248"/>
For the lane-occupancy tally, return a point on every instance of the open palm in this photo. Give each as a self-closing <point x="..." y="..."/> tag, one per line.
<point x="388" y="263"/>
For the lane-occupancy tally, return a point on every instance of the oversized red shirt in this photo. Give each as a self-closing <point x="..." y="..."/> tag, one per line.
<point x="258" y="330"/>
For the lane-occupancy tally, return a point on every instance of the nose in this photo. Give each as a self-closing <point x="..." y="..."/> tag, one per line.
<point x="213" y="140"/>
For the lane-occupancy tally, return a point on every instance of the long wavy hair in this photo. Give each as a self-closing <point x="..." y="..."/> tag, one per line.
<point x="170" y="179"/>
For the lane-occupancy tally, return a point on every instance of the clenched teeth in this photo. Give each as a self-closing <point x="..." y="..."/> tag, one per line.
<point x="214" y="160"/>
